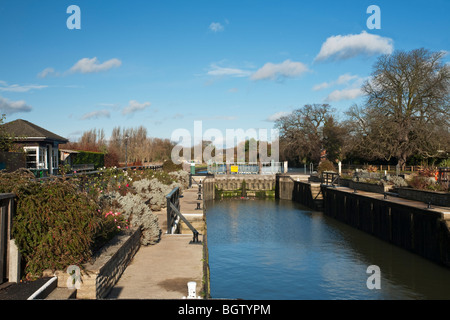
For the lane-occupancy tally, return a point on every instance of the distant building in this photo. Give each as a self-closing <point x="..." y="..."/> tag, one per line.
<point x="39" y="144"/>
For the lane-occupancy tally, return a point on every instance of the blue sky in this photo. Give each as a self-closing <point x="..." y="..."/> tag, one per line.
<point x="165" y="64"/>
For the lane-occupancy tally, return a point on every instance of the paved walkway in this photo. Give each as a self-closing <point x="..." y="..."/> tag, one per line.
<point x="444" y="211"/>
<point x="162" y="271"/>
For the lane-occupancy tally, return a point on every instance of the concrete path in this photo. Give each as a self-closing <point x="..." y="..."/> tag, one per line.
<point x="444" y="211"/>
<point x="162" y="271"/>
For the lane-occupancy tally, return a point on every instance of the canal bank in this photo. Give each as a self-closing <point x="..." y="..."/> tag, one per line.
<point x="409" y="224"/>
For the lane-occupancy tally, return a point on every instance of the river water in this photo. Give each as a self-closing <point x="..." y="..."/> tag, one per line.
<point x="280" y="250"/>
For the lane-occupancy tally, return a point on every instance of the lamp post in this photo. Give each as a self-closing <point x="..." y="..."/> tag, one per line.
<point x="126" y="151"/>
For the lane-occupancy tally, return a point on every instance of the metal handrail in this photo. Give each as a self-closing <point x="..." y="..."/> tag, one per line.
<point x="173" y="210"/>
<point x="333" y="176"/>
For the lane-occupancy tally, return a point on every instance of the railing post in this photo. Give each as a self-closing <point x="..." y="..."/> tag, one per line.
<point x="169" y="216"/>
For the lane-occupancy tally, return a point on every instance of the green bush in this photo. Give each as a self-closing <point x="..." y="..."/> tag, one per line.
<point x="55" y="224"/>
<point x="169" y="166"/>
<point x="326" y="165"/>
<point x="87" y="157"/>
<point x="444" y="163"/>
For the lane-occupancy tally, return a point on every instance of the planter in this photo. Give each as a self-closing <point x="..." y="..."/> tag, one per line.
<point x="369" y="187"/>
<point x="99" y="276"/>
<point x="433" y="197"/>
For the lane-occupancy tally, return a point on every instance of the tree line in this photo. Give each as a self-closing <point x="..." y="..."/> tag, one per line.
<point x="131" y="145"/>
<point x="405" y="117"/>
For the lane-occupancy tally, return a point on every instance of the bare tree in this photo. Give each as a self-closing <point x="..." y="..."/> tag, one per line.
<point x="302" y="133"/>
<point x="407" y="107"/>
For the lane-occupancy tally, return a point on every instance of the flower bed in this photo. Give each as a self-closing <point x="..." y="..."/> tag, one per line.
<point x="62" y="222"/>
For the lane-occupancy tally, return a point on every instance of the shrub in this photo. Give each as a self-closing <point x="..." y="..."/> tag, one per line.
<point x="326" y="165"/>
<point x="427" y="172"/>
<point x="56" y="224"/>
<point x="397" y="181"/>
<point x="88" y="157"/>
<point x="62" y="222"/>
<point x="371" y="168"/>
<point x="181" y="176"/>
<point x="420" y="182"/>
<point x="444" y="163"/>
<point x="154" y="192"/>
<point x="139" y="214"/>
<point x="54" y="227"/>
<point x="169" y="166"/>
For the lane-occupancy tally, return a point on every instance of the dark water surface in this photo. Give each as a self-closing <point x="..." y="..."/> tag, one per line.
<point x="275" y="249"/>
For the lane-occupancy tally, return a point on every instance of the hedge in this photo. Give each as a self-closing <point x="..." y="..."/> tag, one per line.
<point x="87" y="157"/>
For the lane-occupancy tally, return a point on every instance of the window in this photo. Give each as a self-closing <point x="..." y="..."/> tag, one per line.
<point x="31" y="156"/>
<point x="54" y="158"/>
<point x="42" y="158"/>
<point x="36" y="157"/>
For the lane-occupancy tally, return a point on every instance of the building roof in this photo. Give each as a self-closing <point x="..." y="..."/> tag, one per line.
<point x="30" y="132"/>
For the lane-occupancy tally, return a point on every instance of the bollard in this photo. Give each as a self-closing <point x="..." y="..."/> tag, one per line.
<point x="385" y="195"/>
<point x="198" y="206"/>
<point x="199" y="196"/>
<point x="192" y="290"/>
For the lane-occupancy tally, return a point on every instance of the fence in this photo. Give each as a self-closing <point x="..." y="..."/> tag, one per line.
<point x="245" y="168"/>
<point x="7" y="207"/>
<point x="444" y="175"/>
<point x="381" y="167"/>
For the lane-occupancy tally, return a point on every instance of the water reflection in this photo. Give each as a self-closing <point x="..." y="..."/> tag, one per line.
<point x="270" y="249"/>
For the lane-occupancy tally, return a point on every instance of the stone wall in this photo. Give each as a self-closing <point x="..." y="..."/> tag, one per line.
<point x="364" y="186"/>
<point x="435" y="198"/>
<point x="232" y="185"/>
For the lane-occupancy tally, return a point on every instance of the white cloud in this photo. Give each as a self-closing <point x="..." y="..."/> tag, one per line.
<point x="10" y="107"/>
<point x="217" y="71"/>
<point x="277" y="115"/>
<point x="348" y="46"/>
<point x="96" y="115"/>
<point x="87" y="65"/>
<point x="345" y="94"/>
<point x="352" y="87"/>
<point x="343" y="79"/>
<point x="47" y="71"/>
<point x="134" y="106"/>
<point x="4" y="87"/>
<point x="286" y="69"/>
<point x="216" y="27"/>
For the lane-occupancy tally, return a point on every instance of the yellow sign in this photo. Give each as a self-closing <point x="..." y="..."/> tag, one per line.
<point x="234" y="168"/>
